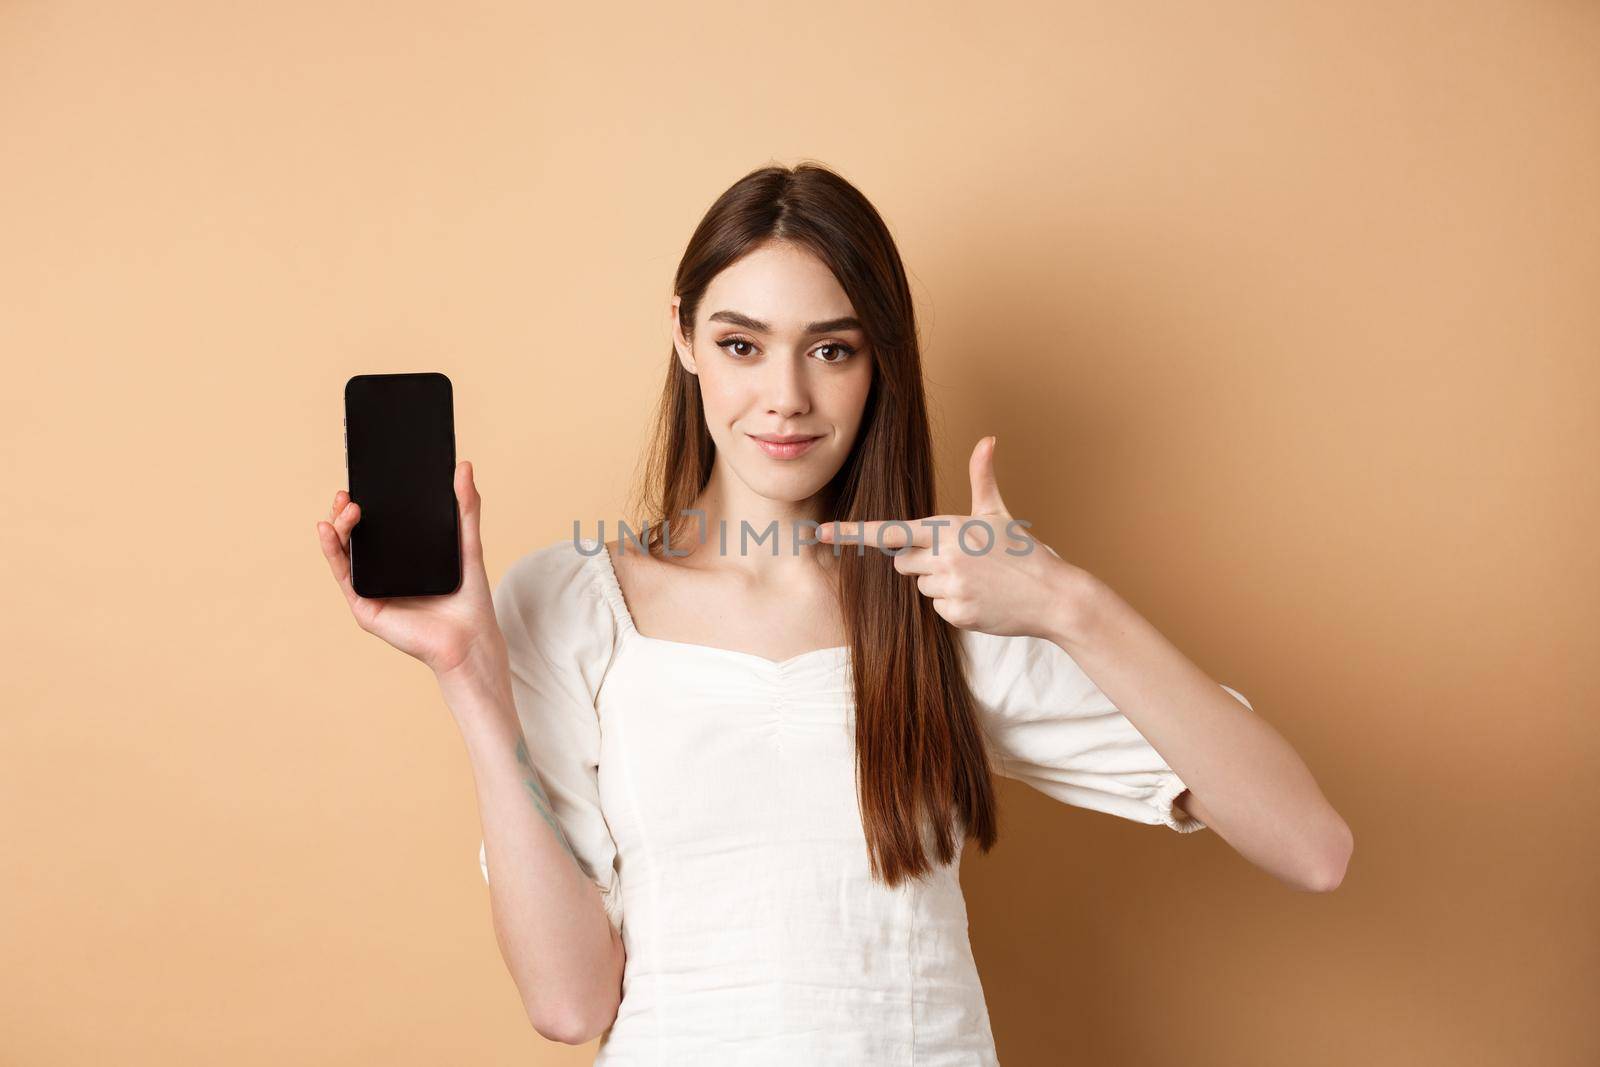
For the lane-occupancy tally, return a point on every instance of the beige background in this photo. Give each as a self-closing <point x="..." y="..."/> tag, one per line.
<point x="1285" y="316"/>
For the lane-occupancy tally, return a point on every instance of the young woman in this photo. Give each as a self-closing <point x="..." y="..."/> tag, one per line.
<point x="725" y="783"/>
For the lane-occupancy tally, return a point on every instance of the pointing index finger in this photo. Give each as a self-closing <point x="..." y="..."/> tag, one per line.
<point x="881" y="533"/>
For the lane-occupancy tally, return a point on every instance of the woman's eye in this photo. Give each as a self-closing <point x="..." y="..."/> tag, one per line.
<point x="841" y="352"/>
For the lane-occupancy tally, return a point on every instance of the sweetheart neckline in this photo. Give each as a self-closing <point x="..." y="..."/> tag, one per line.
<point x="613" y="587"/>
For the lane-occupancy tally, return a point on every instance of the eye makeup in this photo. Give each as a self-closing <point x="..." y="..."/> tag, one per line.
<point x="727" y="344"/>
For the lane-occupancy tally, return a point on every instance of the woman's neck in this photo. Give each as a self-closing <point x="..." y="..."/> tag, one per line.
<point x="760" y="532"/>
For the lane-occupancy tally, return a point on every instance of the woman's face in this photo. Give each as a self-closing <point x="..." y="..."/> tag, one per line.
<point x="779" y="355"/>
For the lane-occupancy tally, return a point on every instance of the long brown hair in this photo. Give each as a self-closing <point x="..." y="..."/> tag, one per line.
<point x="921" y="762"/>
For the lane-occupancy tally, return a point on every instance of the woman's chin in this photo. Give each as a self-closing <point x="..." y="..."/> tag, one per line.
<point x="790" y="485"/>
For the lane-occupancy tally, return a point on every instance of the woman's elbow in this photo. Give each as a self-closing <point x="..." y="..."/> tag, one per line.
<point x="575" y="1018"/>
<point x="572" y="1027"/>
<point x="1325" y="872"/>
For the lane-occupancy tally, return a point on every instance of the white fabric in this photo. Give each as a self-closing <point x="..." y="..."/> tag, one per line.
<point x="714" y="792"/>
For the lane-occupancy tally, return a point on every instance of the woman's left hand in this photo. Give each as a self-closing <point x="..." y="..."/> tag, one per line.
<point x="993" y="578"/>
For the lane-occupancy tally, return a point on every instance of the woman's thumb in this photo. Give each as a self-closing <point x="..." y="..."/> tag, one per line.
<point x="471" y="505"/>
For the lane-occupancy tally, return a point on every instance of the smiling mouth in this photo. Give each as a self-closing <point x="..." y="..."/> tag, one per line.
<point x="785" y="446"/>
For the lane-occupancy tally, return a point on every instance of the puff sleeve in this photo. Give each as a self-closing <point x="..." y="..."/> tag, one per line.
<point x="560" y="635"/>
<point x="1050" y="726"/>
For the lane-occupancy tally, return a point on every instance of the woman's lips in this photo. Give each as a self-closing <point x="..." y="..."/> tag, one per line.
<point x="785" y="449"/>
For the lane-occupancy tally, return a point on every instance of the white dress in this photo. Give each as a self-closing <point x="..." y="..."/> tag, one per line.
<point x="710" y="794"/>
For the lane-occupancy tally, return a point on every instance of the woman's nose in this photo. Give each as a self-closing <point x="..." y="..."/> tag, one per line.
<point x="788" y="393"/>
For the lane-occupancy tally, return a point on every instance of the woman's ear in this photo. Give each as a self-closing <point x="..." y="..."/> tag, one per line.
<point x="680" y="343"/>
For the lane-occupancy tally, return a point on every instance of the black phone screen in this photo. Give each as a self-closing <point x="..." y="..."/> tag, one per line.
<point x="400" y="453"/>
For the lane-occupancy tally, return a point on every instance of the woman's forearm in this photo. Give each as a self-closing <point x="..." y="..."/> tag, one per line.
<point x="551" y="926"/>
<point x="1247" y="781"/>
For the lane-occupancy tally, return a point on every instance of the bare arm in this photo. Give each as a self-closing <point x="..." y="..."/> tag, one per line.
<point x="1243" y="778"/>
<point x="562" y="951"/>
<point x="1245" y="781"/>
<point x="549" y="918"/>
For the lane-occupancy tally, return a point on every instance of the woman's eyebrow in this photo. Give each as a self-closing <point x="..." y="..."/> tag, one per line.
<point x="736" y="318"/>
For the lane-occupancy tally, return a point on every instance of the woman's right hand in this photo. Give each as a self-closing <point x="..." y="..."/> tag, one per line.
<point x="455" y="634"/>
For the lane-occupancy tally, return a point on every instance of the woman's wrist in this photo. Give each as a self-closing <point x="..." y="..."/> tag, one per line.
<point x="1078" y="600"/>
<point x="480" y="684"/>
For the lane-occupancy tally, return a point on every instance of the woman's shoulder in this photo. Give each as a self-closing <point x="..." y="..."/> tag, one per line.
<point x="559" y="563"/>
<point x="556" y="588"/>
<point x="991" y="651"/>
<point x="1005" y="671"/>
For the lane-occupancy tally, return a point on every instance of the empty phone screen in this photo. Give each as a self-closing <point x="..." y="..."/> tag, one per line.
<point x="400" y="450"/>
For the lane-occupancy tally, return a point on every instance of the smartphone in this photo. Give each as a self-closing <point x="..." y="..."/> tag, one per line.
<point x="400" y="459"/>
